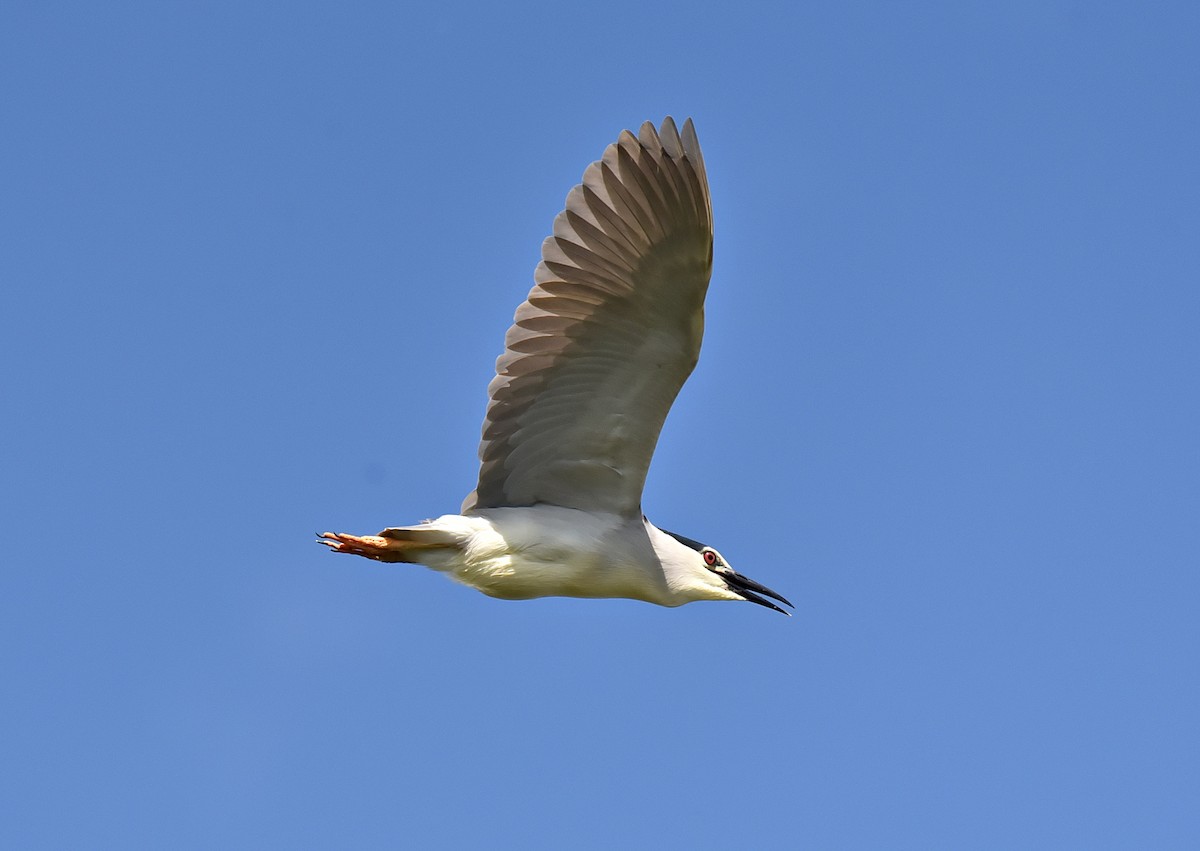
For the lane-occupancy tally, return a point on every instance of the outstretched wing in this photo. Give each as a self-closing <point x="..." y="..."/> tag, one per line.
<point x="612" y="329"/>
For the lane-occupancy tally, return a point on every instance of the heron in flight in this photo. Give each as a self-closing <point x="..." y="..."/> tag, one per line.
<point x="594" y="358"/>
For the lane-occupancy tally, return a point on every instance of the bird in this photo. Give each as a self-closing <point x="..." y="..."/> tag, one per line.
<point x="592" y="363"/>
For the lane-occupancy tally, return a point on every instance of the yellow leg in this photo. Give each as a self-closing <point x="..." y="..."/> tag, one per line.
<point x="367" y="546"/>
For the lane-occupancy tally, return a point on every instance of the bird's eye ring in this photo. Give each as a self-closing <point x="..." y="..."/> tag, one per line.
<point x="710" y="558"/>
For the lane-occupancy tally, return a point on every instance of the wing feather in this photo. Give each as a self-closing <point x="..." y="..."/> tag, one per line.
<point x="608" y="335"/>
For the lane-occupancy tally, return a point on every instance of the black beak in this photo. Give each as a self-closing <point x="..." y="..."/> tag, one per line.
<point x="747" y="588"/>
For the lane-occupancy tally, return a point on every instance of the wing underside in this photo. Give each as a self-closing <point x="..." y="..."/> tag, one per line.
<point x="608" y="335"/>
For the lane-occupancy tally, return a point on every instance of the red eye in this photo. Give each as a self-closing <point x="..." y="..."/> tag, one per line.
<point x="710" y="558"/>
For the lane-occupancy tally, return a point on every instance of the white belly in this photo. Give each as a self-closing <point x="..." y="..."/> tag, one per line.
<point x="548" y="551"/>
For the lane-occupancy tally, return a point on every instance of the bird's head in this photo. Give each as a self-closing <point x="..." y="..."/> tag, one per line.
<point x="710" y="567"/>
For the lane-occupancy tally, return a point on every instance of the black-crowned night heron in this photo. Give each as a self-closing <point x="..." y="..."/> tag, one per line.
<point x="594" y="359"/>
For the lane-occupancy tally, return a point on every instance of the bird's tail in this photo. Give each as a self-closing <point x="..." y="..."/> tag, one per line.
<point x="415" y="540"/>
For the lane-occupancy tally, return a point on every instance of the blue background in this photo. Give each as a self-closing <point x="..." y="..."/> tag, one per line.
<point x="257" y="262"/>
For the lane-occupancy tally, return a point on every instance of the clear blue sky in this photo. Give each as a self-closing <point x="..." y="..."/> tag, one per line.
<point x="257" y="263"/>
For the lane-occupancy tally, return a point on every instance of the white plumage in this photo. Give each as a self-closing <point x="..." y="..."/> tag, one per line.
<point x="594" y="360"/>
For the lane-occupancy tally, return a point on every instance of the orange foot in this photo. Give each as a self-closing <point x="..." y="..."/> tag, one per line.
<point x="367" y="546"/>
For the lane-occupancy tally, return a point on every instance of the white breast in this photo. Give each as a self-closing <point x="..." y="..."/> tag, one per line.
<point x="549" y="551"/>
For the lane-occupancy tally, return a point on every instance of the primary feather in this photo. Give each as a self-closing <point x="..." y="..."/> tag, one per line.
<point x="607" y="337"/>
